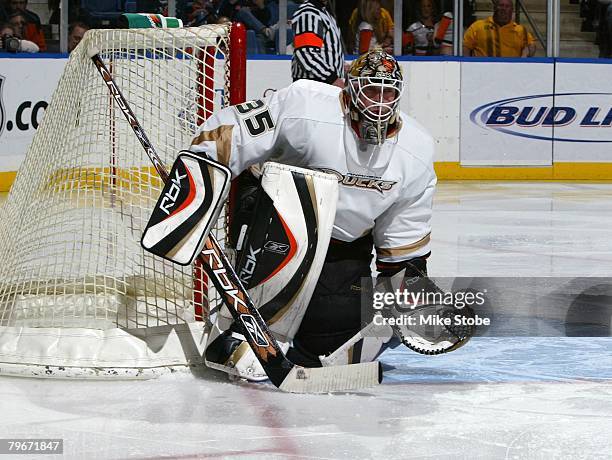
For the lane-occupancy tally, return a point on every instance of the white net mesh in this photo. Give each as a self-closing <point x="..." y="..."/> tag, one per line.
<point x="71" y="228"/>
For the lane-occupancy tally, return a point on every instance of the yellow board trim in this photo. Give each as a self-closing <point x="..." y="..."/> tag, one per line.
<point x="6" y="180"/>
<point x="93" y="178"/>
<point x="446" y="170"/>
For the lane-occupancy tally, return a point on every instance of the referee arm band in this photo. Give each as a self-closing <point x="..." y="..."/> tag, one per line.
<point x="307" y="39"/>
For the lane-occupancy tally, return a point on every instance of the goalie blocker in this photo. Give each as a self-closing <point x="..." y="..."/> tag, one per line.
<point x="187" y="208"/>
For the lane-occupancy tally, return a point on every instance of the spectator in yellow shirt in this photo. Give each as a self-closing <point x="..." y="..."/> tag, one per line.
<point x="498" y="35"/>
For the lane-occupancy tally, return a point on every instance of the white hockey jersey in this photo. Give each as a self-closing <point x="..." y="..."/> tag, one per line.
<point x="386" y="190"/>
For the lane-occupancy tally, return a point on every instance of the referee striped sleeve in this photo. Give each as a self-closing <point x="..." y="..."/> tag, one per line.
<point x="318" y="53"/>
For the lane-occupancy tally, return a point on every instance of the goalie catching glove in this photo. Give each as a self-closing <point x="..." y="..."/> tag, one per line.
<point x="424" y="320"/>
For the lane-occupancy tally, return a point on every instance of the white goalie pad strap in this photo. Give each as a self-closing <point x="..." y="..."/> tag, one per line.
<point x="187" y="208"/>
<point x="285" y="249"/>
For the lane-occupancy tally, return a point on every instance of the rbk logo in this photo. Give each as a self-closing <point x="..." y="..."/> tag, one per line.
<point x="234" y="300"/>
<point x="250" y="324"/>
<point x="170" y="197"/>
<point x="247" y="271"/>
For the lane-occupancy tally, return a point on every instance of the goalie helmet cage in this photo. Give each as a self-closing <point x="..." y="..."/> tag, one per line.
<point x="79" y="297"/>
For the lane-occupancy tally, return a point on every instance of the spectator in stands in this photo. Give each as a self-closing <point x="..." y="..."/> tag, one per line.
<point x="589" y="10"/>
<point x="604" y="30"/>
<point x="75" y="12"/>
<point x="18" y="22"/>
<point x="431" y="35"/>
<point x="498" y="35"/>
<point x="151" y="6"/>
<point x="11" y="42"/>
<point x="202" y="12"/>
<point x="318" y="53"/>
<point x="254" y="14"/>
<point x="370" y="26"/>
<point x="32" y="28"/>
<point x="76" y="32"/>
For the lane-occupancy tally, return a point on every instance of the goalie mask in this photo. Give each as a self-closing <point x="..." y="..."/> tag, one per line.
<point x="374" y="85"/>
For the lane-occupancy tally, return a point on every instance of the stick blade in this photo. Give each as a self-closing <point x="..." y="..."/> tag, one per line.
<point x="333" y="378"/>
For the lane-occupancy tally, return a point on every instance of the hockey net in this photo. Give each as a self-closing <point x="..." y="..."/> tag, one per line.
<point x="78" y="294"/>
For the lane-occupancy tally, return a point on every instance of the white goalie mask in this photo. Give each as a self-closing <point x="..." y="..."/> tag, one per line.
<point x="374" y="85"/>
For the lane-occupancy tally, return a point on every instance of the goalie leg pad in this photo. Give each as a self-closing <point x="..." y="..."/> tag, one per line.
<point x="285" y="247"/>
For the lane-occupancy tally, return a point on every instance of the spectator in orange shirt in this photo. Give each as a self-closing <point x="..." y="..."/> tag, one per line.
<point x="31" y="28"/>
<point x="432" y="34"/>
<point x="370" y="26"/>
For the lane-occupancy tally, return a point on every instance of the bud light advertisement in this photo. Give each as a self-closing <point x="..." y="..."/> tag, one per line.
<point x="538" y="114"/>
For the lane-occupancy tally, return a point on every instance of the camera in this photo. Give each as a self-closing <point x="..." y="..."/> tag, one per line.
<point x="10" y="44"/>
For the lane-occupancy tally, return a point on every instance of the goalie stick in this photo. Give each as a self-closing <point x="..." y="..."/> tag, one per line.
<point x="284" y="374"/>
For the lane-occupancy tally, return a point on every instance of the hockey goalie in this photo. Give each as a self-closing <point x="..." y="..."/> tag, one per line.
<point x="346" y="175"/>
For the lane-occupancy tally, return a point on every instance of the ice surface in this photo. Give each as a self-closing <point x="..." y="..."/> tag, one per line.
<point x="497" y="397"/>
